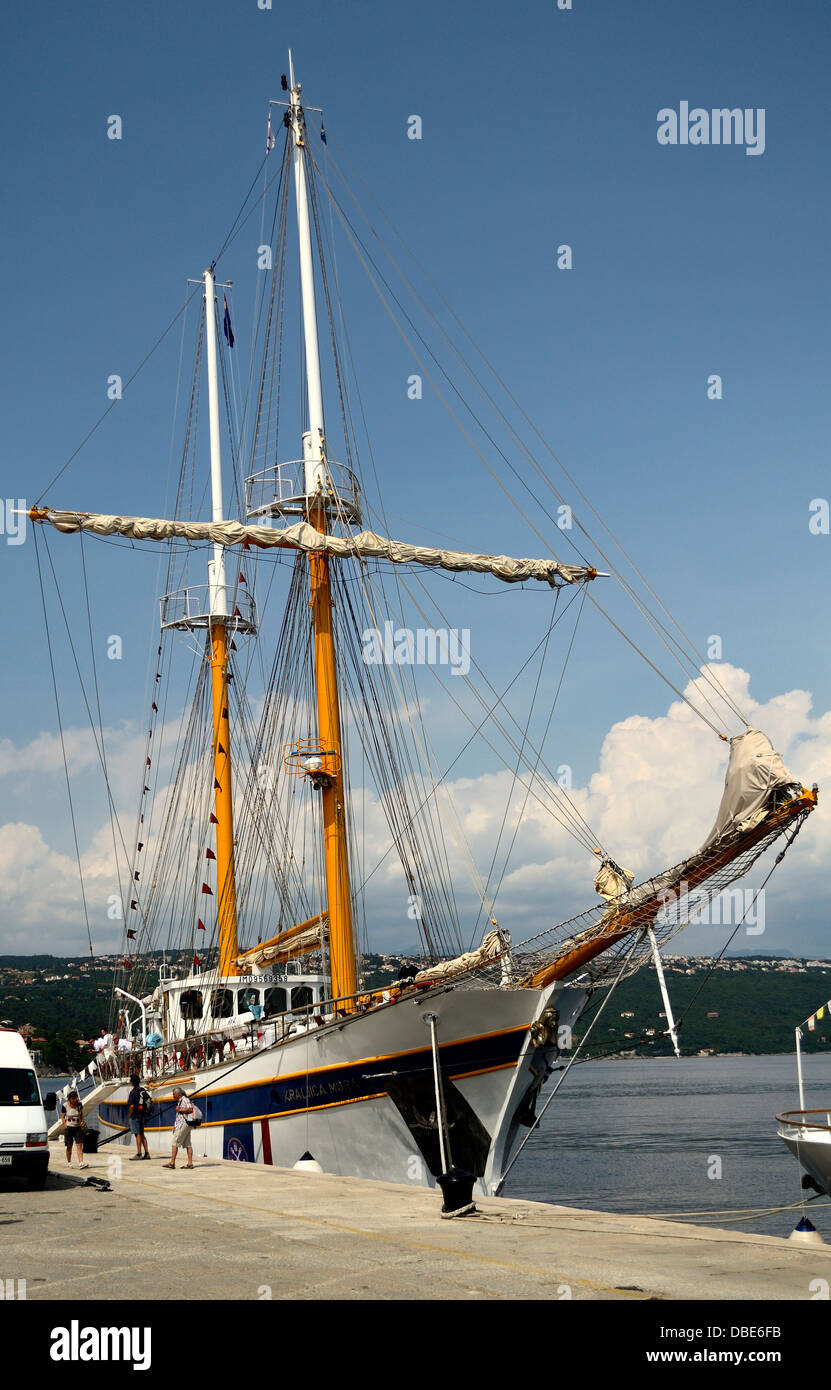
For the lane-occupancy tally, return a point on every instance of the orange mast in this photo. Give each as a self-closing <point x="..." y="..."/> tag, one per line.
<point x="218" y="623"/>
<point x="318" y="491"/>
<point x="225" y="873"/>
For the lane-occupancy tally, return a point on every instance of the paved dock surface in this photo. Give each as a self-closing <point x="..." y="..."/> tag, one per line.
<point x="244" y="1231"/>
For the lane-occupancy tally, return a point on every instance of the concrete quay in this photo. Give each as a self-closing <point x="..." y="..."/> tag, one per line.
<point x="244" y="1231"/>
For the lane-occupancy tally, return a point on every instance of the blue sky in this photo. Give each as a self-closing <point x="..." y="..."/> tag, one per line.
<point x="539" y="128"/>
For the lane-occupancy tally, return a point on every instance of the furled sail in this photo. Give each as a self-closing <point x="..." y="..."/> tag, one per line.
<point x="755" y="772"/>
<point x="761" y="800"/>
<point x="494" y="946"/>
<point x="301" y="536"/>
<point x="296" y="941"/>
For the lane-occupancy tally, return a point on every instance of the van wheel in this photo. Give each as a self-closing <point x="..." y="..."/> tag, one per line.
<point x="37" y="1181"/>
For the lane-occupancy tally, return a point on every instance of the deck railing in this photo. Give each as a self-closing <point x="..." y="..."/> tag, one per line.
<point x="793" y="1118"/>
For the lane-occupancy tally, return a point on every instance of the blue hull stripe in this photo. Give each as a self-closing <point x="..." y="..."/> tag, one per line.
<point x="357" y="1081"/>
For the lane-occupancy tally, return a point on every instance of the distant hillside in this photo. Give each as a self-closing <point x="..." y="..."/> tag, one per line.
<point x="756" y="1010"/>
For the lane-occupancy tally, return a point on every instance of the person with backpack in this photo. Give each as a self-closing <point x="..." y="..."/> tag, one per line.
<point x="139" y="1106"/>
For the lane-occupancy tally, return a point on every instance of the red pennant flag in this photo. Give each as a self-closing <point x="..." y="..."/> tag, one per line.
<point x="130" y="934"/>
<point x="200" y="925"/>
<point x="246" y="545"/>
<point x="214" y="820"/>
<point x="133" y="905"/>
<point x="136" y="875"/>
<point x="140" y="846"/>
<point x="206" y="889"/>
<point x="219" y="748"/>
<point x="237" y="614"/>
<point x="149" y="764"/>
<point x="233" y="646"/>
<point x="155" y="706"/>
<point x="242" y="578"/>
<point x="147" y="789"/>
<point x="209" y="854"/>
<point x="127" y="965"/>
<point x="217" y="787"/>
<point x="196" y="962"/>
<point x="149" y="733"/>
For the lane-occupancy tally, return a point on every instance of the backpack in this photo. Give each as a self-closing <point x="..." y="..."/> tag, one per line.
<point x="146" y="1102"/>
<point x="195" y="1116"/>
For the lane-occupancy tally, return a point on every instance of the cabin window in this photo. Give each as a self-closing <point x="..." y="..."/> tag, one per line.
<point x="190" y="1003"/>
<point x="222" y="1003"/>
<point x="302" y="996"/>
<point x="275" y="1001"/>
<point x="246" y="998"/>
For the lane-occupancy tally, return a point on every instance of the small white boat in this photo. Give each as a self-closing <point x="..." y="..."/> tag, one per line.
<point x="807" y="1133"/>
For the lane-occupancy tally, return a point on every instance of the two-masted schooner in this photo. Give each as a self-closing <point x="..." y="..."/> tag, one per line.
<point x="292" y="1056"/>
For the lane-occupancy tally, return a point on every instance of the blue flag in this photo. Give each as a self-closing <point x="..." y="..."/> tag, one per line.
<point x="226" y="324"/>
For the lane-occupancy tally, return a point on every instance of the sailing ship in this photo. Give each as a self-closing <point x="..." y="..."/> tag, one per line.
<point x="293" y="1057"/>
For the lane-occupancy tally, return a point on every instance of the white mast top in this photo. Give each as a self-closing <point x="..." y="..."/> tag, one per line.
<point x="314" y="443"/>
<point x="216" y="567"/>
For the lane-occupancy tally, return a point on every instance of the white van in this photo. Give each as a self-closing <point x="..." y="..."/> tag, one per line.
<point x="24" y="1151"/>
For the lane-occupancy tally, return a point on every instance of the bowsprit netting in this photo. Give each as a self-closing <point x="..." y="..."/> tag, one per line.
<point x="667" y="903"/>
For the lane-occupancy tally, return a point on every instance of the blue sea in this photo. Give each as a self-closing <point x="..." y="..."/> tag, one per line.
<point x="646" y="1135"/>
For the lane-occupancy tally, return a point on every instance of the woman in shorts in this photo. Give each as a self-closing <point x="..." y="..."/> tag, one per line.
<point x="72" y="1119"/>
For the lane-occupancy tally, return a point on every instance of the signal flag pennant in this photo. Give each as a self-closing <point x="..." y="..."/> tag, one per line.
<point x="226" y="324"/>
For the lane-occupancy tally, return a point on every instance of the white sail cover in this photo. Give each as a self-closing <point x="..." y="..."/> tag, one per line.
<point x="494" y="945"/>
<point x="612" y="882"/>
<point x="301" y="536"/>
<point x="753" y="772"/>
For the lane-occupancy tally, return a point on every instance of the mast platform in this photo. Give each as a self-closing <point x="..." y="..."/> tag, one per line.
<point x="190" y="610"/>
<point x="282" y="491"/>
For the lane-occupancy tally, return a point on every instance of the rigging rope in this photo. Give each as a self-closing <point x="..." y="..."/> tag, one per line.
<point x="491" y="403"/>
<point x="63" y="755"/>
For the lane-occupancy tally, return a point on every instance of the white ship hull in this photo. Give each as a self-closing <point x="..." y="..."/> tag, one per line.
<point x="359" y="1093"/>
